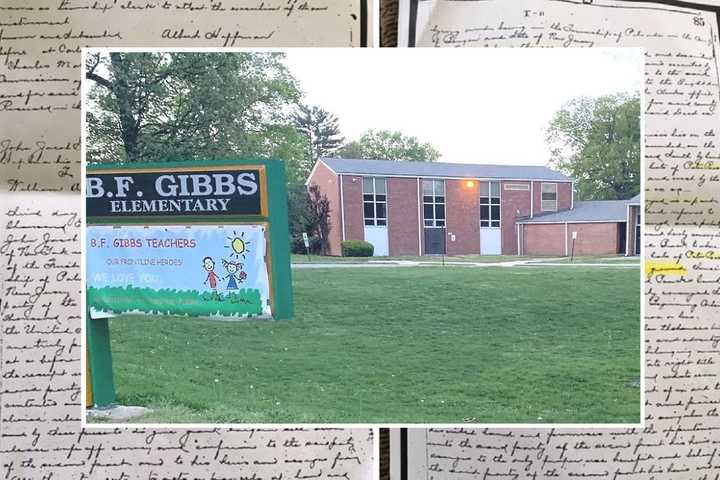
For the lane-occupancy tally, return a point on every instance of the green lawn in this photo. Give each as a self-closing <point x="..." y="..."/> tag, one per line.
<point x="597" y="259"/>
<point x="426" y="258"/>
<point x="543" y="344"/>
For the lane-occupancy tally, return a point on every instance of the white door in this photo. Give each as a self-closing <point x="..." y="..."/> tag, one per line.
<point x="490" y="241"/>
<point x="490" y="218"/>
<point x="378" y="236"/>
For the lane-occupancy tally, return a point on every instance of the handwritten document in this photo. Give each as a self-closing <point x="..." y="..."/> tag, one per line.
<point x="40" y="344"/>
<point x="680" y="439"/>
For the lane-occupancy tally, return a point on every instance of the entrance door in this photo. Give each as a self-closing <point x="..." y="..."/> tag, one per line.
<point x="622" y="237"/>
<point x="434" y="216"/>
<point x="378" y="236"/>
<point x="490" y="236"/>
<point x="434" y="241"/>
<point x="375" y="214"/>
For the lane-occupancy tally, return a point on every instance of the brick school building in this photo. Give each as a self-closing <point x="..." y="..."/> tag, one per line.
<point x="428" y="208"/>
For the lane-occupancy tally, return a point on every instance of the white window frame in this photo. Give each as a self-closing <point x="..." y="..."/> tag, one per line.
<point x="517" y="186"/>
<point x="638" y="232"/>
<point x="375" y="220"/>
<point x="434" y="221"/>
<point x="487" y="201"/>
<point x="544" y="202"/>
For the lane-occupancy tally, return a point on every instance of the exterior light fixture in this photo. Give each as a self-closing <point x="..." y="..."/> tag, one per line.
<point x="469" y="184"/>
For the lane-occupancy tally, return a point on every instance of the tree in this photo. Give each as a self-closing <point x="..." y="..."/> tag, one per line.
<point x="297" y="206"/>
<point x="321" y="130"/>
<point x="189" y="106"/>
<point x="317" y="216"/>
<point x="597" y="142"/>
<point x="388" y="145"/>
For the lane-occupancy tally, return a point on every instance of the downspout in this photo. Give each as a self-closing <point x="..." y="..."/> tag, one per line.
<point x="627" y="231"/>
<point x="566" y="240"/>
<point x="342" y="209"/>
<point x="419" y="218"/>
<point x="532" y="199"/>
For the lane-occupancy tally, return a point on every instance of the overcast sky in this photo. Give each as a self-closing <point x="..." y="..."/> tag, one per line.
<point x="474" y="105"/>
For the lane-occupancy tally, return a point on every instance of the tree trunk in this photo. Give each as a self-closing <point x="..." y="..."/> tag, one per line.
<point x="121" y="90"/>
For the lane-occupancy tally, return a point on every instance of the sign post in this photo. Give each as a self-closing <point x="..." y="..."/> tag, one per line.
<point x="306" y="241"/>
<point x="200" y="239"/>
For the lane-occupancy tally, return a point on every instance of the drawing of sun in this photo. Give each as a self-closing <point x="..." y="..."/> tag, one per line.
<point x="238" y="245"/>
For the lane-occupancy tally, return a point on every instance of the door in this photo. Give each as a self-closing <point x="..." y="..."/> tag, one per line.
<point x="434" y="241"/>
<point x="622" y="237"/>
<point x="490" y="228"/>
<point x="378" y="236"/>
<point x="375" y="214"/>
<point x="434" y="216"/>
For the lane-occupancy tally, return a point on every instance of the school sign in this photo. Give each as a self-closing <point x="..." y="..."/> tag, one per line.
<point x="203" y="239"/>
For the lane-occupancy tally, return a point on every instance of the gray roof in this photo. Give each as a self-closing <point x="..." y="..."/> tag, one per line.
<point x="590" y="211"/>
<point x="634" y="200"/>
<point x="390" y="168"/>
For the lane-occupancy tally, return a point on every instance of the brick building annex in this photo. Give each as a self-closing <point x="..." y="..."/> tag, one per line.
<point x="427" y="208"/>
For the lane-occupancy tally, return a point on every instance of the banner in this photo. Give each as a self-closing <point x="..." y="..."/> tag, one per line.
<point x="198" y="270"/>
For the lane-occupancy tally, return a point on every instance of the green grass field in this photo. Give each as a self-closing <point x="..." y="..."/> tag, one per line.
<point x="426" y="258"/>
<point x="430" y="344"/>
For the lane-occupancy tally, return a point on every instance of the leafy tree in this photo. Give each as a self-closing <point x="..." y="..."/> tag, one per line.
<point x="597" y="142"/>
<point x="388" y="145"/>
<point x="191" y="106"/>
<point x="321" y="130"/>
<point x="297" y="201"/>
<point x="309" y="212"/>
<point x="317" y="216"/>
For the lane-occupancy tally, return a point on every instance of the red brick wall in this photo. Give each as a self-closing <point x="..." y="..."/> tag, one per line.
<point x="631" y="221"/>
<point x="512" y="201"/>
<point x="594" y="238"/>
<point x="402" y="197"/>
<point x="353" y="207"/>
<point x="543" y="239"/>
<point x="549" y="239"/>
<point x="564" y="196"/>
<point x="462" y="211"/>
<point x="328" y="183"/>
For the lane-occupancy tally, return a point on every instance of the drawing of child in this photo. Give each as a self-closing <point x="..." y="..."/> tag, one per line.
<point x="235" y="274"/>
<point x="212" y="278"/>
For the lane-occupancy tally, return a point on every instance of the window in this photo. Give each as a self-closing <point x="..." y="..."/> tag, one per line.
<point x="517" y="186"/>
<point x="490" y="204"/>
<point x="374" y="201"/>
<point x="434" y="203"/>
<point x="549" y="197"/>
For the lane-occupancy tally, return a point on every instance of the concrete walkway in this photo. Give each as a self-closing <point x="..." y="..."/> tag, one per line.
<point x="533" y="262"/>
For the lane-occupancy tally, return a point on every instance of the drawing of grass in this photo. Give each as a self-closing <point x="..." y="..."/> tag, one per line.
<point x="175" y="302"/>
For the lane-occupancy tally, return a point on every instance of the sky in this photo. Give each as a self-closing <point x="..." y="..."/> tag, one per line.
<point x="473" y="105"/>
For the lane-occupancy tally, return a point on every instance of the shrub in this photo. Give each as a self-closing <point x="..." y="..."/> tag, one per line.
<point x="357" y="248"/>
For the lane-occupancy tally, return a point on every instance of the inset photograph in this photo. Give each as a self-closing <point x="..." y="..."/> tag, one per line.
<point x="319" y="236"/>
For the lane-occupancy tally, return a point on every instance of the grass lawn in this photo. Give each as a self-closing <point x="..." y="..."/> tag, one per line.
<point x="426" y="258"/>
<point x="596" y="259"/>
<point x="450" y="345"/>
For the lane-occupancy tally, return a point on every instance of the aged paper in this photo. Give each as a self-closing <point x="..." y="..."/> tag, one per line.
<point x="40" y="404"/>
<point x="681" y="434"/>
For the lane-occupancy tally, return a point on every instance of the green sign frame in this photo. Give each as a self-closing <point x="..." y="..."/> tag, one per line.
<point x="274" y="215"/>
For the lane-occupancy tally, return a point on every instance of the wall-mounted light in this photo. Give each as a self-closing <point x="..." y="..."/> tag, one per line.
<point x="469" y="183"/>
